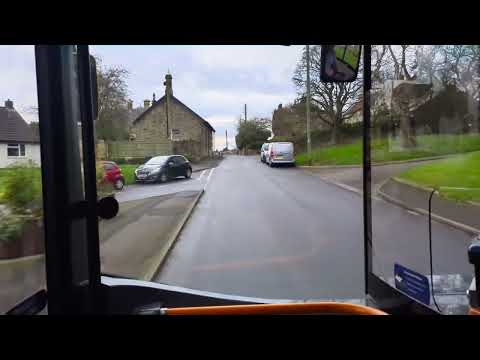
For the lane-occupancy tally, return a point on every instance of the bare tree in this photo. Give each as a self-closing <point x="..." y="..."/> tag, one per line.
<point x="112" y="121"/>
<point x="335" y="100"/>
<point x="459" y="66"/>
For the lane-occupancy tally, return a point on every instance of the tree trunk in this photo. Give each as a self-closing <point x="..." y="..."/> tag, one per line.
<point x="334" y="133"/>
<point x="407" y="131"/>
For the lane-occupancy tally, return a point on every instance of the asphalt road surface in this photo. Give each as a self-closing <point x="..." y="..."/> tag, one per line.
<point x="145" y="190"/>
<point x="283" y="233"/>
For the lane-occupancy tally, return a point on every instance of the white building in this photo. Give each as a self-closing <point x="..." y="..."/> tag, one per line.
<point x="19" y="142"/>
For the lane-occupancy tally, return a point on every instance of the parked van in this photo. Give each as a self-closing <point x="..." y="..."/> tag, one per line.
<point x="280" y="153"/>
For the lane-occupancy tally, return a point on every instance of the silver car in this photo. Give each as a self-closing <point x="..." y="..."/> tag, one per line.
<point x="280" y="153"/>
<point x="263" y="152"/>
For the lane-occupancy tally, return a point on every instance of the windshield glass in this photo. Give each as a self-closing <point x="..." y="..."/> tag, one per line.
<point x="262" y="226"/>
<point x="158" y="160"/>
<point x="425" y="139"/>
<point x="282" y="224"/>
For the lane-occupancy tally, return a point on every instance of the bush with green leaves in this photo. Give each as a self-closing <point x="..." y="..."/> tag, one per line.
<point x="22" y="187"/>
<point x="11" y="227"/>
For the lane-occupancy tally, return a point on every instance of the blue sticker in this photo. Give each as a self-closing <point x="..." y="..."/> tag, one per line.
<point x="412" y="283"/>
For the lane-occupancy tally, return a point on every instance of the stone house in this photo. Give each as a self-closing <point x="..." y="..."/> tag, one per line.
<point x="290" y="121"/>
<point x="19" y="141"/>
<point x="168" y="120"/>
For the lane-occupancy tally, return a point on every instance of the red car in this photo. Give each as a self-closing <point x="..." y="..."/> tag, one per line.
<point x="113" y="174"/>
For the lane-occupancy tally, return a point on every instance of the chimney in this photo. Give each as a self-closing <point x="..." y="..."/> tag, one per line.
<point x="153" y="99"/>
<point x="130" y="105"/>
<point x="168" y="85"/>
<point x="146" y="103"/>
<point x="9" y="104"/>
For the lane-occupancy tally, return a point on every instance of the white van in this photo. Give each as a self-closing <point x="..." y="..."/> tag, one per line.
<point x="280" y="153"/>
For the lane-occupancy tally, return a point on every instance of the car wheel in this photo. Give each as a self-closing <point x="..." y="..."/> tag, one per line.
<point x="163" y="177"/>
<point x="188" y="173"/>
<point x="271" y="164"/>
<point x="118" y="185"/>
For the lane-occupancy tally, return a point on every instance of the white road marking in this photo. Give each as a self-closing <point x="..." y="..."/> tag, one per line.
<point x="413" y="213"/>
<point x="201" y="175"/>
<point x="210" y="175"/>
<point x="208" y="179"/>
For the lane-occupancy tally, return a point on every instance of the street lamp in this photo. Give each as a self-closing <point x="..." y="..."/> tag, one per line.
<point x="309" y="144"/>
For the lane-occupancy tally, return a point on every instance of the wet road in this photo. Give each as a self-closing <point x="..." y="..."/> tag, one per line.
<point x="284" y="233"/>
<point x="142" y="191"/>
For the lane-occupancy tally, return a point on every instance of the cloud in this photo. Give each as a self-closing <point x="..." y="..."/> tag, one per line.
<point x="18" y="78"/>
<point x="213" y="80"/>
<point x="210" y="79"/>
<point x="220" y="142"/>
<point x="222" y="120"/>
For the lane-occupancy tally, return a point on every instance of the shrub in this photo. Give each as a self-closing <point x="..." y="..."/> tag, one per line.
<point x="22" y="187"/>
<point x="11" y="227"/>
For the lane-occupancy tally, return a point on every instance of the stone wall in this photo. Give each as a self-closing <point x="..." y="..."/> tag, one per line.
<point x="190" y="132"/>
<point x="152" y="126"/>
<point x="128" y="150"/>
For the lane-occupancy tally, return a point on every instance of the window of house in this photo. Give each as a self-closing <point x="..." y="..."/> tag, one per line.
<point x="16" y="150"/>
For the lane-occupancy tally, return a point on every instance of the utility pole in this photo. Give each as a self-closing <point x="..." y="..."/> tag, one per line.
<point x="226" y="140"/>
<point x="245" y="149"/>
<point x="309" y="144"/>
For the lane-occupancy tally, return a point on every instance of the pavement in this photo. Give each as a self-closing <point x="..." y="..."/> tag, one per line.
<point x="286" y="233"/>
<point x="135" y="242"/>
<point x="461" y="215"/>
<point x="464" y="216"/>
<point x="353" y="175"/>
<point x="19" y="279"/>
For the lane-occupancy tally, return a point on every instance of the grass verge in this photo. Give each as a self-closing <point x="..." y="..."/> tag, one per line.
<point x="384" y="150"/>
<point x="457" y="178"/>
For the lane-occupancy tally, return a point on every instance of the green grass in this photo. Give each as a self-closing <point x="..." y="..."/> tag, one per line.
<point x="385" y="150"/>
<point x="462" y="171"/>
<point x="349" y="154"/>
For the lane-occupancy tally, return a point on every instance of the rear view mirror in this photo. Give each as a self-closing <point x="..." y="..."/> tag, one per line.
<point x="339" y="63"/>
<point x="93" y="80"/>
<point x="170" y="163"/>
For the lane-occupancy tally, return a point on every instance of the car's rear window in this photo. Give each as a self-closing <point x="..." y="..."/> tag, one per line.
<point x="157" y="160"/>
<point x="283" y="147"/>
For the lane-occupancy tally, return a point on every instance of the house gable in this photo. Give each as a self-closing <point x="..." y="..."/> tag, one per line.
<point x="161" y="101"/>
<point x="13" y="128"/>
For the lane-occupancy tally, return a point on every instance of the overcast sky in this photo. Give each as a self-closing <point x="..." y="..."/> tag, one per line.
<point x="214" y="81"/>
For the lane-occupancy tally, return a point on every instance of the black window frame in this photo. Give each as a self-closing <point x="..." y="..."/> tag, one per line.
<point x="21" y="150"/>
<point x="62" y="180"/>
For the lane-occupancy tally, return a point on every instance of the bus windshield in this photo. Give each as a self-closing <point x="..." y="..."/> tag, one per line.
<point x="284" y="224"/>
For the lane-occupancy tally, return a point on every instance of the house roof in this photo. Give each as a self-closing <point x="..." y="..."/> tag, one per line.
<point x="14" y="128"/>
<point x="162" y="99"/>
